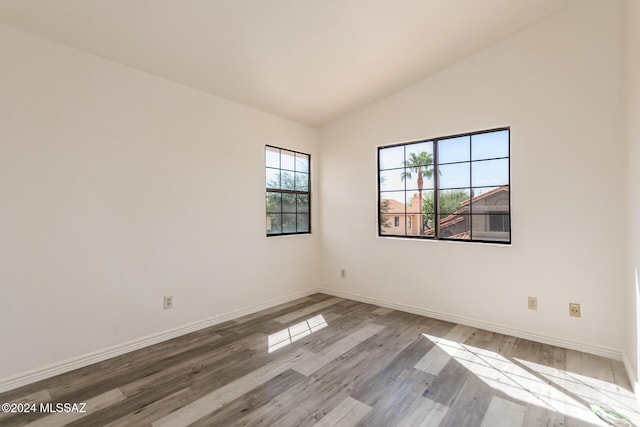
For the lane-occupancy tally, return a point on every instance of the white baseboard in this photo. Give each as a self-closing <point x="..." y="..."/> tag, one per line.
<point x="610" y="353"/>
<point x="57" y="368"/>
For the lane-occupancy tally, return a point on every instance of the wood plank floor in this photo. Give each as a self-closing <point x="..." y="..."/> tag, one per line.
<point x="326" y="361"/>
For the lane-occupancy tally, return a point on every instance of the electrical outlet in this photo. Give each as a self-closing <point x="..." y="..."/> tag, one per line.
<point x="532" y="303"/>
<point x="574" y="309"/>
<point x="168" y="302"/>
<point x="343" y="273"/>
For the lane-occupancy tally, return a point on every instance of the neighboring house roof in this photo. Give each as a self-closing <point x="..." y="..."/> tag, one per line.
<point x="451" y="219"/>
<point x="485" y="195"/>
<point x="463" y="235"/>
<point x="456" y="216"/>
<point x="392" y="206"/>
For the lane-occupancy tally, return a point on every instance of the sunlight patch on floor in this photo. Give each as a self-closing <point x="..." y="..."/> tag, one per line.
<point x="294" y="333"/>
<point x="544" y="386"/>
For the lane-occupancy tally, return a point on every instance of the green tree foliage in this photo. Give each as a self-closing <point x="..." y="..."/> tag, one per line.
<point x="286" y="180"/>
<point x="450" y="201"/>
<point x="384" y="220"/>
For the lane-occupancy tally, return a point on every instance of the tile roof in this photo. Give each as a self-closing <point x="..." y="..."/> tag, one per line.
<point x="487" y="194"/>
<point x="463" y="235"/>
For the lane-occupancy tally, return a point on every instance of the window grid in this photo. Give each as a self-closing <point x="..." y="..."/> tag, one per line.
<point x="288" y="192"/>
<point x="481" y="222"/>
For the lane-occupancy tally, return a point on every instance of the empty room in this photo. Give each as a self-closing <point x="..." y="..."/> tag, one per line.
<point x="319" y="213"/>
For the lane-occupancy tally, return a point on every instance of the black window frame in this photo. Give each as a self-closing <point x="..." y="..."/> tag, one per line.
<point x="296" y="192"/>
<point x="437" y="214"/>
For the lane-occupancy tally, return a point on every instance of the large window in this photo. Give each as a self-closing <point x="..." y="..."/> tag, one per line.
<point x="288" y="192"/>
<point x="453" y="188"/>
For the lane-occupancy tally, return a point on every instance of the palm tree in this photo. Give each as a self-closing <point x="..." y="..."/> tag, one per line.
<point x="419" y="164"/>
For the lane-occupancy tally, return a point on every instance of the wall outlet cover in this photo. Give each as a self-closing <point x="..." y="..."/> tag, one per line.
<point x="168" y="302"/>
<point x="574" y="309"/>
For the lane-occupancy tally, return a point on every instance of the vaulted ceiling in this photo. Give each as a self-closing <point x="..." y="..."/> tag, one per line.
<point x="307" y="60"/>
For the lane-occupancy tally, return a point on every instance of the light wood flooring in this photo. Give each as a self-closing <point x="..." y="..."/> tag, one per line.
<point x="326" y="361"/>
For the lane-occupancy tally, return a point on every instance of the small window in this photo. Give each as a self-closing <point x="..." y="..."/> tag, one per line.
<point x="288" y="192"/>
<point x="498" y="223"/>
<point x="457" y="187"/>
<point x="396" y="221"/>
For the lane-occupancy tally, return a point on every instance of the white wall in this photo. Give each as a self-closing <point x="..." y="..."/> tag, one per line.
<point x="118" y="187"/>
<point x="557" y="84"/>
<point x="632" y="289"/>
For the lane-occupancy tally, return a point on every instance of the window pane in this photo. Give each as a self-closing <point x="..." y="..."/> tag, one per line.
<point x="429" y="224"/>
<point x="392" y="157"/>
<point x="429" y="232"/>
<point x="273" y="224"/>
<point x="490" y="145"/>
<point x="411" y="177"/>
<point x="302" y="181"/>
<point x="288" y="223"/>
<point x="428" y="213"/>
<point x="490" y="172"/>
<point x="303" y="203"/>
<point x="274" y="202"/>
<point x="288" y="203"/>
<point x="287" y="180"/>
<point x="454" y="176"/>
<point x="302" y="162"/>
<point x="412" y="221"/>
<point x="391" y="180"/>
<point x="419" y="154"/>
<point x="388" y="225"/>
<point x="392" y="213"/>
<point x="273" y="178"/>
<point x="272" y="157"/>
<point x="454" y="150"/>
<point x="303" y="223"/>
<point x="491" y="227"/>
<point x="413" y="201"/>
<point x="399" y="225"/>
<point x="392" y="202"/>
<point x="455" y="227"/>
<point x="413" y="214"/>
<point x="488" y="200"/>
<point x="428" y="202"/>
<point x="287" y="159"/>
<point x="452" y="200"/>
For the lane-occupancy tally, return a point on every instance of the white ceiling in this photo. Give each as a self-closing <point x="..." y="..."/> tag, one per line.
<point x="307" y="60"/>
